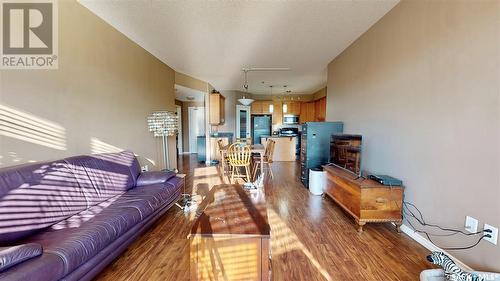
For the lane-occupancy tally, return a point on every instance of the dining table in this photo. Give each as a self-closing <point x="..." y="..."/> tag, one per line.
<point x="254" y="148"/>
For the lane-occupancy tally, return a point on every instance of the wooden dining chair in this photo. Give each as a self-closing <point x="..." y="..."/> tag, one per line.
<point x="268" y="159"/>
<point x="239" y="156"/>
<point x="223" y="159"/>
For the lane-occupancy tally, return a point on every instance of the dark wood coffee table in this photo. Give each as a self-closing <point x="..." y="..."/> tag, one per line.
<point x="230" y="238"/>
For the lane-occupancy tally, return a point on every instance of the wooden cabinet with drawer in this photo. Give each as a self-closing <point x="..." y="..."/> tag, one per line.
<point x="364" y="199"/>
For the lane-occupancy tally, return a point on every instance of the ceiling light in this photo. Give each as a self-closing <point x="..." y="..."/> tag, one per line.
<point x="271" y="105"/>
<point x="285" y="106"/>
<point x="245" y="101"/>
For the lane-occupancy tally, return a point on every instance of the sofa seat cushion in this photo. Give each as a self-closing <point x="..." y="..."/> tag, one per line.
<point x="80" y="237"/>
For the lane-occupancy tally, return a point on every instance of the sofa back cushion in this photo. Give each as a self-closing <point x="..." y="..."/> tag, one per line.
<point x="102" y="176"/>
<point x="35" y="196"/>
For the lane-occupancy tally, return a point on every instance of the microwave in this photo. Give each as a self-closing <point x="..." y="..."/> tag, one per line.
<point x="290" y="119"/>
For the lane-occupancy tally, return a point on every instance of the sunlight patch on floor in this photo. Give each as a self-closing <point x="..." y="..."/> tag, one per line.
<point x="284" y="240"/>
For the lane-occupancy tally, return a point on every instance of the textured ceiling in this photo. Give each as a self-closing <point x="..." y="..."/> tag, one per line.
<point x="213" y="40"/>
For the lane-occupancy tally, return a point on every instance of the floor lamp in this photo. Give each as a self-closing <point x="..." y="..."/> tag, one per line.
<point x="165" y="124"/>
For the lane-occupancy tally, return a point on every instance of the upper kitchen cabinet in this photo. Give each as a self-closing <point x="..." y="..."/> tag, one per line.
<point x="277" y="113"/>
<point x="291" y="107"/>
<point x="266" y="106"/>
<point x="320" y="108"/>
<point x="261" y="107"/>
<point x="217" y="109"/>
<point x="308" y="112"/>
<point x="256" y="107"/>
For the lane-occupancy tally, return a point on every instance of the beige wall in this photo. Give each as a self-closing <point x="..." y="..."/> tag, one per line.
<point x="191" y="82"/>
<point x="97" y="100"/>
<point x="422" y="87"/>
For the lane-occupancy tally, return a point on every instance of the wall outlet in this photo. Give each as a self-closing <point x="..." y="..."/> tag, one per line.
<point x="145" y="168"/>
<point x="494" y="234"/>
<point x="471" y="224"/>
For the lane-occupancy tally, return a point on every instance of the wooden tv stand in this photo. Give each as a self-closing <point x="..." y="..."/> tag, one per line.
<point x="364" y="199"/>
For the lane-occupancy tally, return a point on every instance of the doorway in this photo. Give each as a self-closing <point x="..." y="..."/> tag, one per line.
<point x="178" y="110"/>
<point x="196" y="117"/>
<point x="242" y="121"/>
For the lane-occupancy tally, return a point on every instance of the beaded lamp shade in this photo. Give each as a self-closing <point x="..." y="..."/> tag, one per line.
<point x="163" y="123"/>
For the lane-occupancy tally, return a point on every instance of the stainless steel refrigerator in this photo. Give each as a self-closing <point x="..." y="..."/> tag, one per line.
<point x="261" y="126"/>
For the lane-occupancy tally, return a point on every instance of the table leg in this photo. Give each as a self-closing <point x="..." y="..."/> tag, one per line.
<point x="262" y="165"/>
<point x="360" y="226"/>
<point x="398" y="226"/>
<point x="223" y="162"/>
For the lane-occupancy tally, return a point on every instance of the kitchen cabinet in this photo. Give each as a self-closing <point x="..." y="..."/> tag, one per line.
<point x="320" y="108"/>
<point x="307" y="112"/>
<point x="256" y="107"/>
<point x="313" y="111"/>
<point x="217" y="109"/>
<point x="266" y="106"/>
<point x="261" y="107"/>
<point x="278" y="113"/>
<point x="293" y="107"/>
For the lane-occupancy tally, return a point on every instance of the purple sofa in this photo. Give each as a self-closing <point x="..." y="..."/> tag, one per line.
<point x="83" y="211"/>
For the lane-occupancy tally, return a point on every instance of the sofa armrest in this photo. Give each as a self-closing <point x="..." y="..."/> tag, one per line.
<point x="10" y="256"/>
<point x="154" y="177"/>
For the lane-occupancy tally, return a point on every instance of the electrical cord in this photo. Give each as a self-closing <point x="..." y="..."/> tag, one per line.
<point x="408" y="213"/>
<point x="423" y="223"/>
<point x="455" y="232"/>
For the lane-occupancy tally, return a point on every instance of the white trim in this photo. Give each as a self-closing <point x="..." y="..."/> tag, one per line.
<point x="247" y="109"/>
<point x="208" y="129"/>
<point x="430" y="246"/>
<point x="178" y="109"/>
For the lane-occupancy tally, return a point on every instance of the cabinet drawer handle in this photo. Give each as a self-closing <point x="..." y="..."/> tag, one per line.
<point x="381" y="200"/>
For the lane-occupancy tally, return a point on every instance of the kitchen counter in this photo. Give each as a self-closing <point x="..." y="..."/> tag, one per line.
<point x="276" y="136"/>
<point x="227" y="138"/>
<point x="284" y="149"/>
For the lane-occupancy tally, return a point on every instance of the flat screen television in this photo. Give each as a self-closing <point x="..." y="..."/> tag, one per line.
<point x="345" y="152"/>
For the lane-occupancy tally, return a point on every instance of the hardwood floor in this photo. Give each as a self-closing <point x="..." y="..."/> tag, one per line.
<point x="311" y="238"/>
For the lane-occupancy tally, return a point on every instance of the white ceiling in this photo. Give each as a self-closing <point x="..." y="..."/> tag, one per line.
<point x="213" y="40"/>
<point x="187" y="94"/>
